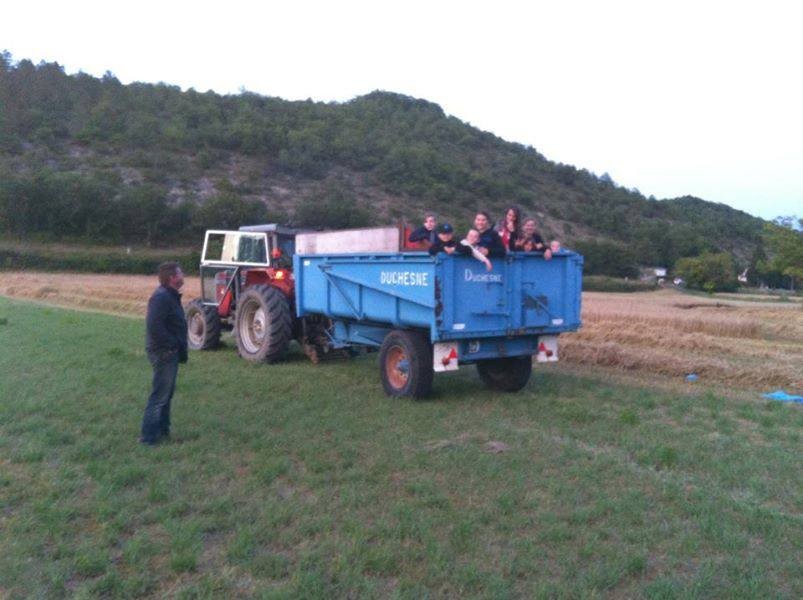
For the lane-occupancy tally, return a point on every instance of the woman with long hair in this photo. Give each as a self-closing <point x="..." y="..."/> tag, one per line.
<point x="509" y="228"/>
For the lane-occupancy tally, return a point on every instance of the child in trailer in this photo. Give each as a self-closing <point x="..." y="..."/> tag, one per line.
<point x="445" y="241"/>
<point x="424" y="236"/>
<point x="471" y="243"/>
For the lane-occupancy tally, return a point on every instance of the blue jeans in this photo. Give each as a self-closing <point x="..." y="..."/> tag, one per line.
<point x="156" y="420"/>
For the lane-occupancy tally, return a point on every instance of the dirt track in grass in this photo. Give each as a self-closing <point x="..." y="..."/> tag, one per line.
<point x="748" y="345"/>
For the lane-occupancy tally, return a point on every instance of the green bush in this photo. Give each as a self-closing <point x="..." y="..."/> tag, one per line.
<point x="85" y="262"/>
<point x="334" y="208"/>
<point x="708" y="272"/>
<point x="607" y="258"/>
<point x="229" y="211"/>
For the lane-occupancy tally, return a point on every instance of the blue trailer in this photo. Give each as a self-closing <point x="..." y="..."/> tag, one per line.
<point x="430" y="314"/>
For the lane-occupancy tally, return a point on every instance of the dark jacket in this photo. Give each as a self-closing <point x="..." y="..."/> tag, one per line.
<point x="165" y="325"/>
<point x="490" y="239"/>
<point x="422" y="234"/>
<point x="439" y="246"/>
<point x="536" y="244"/>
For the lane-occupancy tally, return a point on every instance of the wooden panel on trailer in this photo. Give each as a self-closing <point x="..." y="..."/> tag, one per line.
<point x="347" y="241"/>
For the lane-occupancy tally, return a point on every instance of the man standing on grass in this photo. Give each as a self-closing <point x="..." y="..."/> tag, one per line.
<point x="166" y="346"/>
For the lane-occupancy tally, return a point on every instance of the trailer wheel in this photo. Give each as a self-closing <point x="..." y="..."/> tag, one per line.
<point x="508" y="374"/>
<point x="203" y="326"/>
<point x="405" y="364"/>
<point x="263" y="325"/>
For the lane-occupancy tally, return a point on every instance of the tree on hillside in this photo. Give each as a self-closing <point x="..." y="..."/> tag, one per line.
<point x="58" y="205"/>
<point x="332" y="208"/>
<point x="229" y="211"/>
<point x="786" y="245"/>
<point x="607" y="179"/>
<point x="709" y="272"/>
<point x="143" y="209"/>
<point x="755" y="267"/>
<point x="607" y="258"/>
<point x="789" y="222"/>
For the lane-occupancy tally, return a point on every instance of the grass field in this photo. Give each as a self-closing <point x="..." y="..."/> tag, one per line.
<point x="300" y="480"/>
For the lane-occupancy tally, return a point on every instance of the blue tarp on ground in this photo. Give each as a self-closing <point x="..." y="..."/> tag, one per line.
<point x="782" y="396"/>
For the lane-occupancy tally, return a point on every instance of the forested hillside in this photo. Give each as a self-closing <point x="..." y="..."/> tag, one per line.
<point x="85" y="158"/>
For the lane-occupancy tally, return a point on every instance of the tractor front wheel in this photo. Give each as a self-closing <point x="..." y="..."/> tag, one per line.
<point x="405" y="364"/>
<point x="508" y="374"/>
<point x="203" y="326"/>
<point x="263" y="325"/>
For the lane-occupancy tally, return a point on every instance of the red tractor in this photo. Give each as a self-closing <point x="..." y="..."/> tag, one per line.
<point x="247" y="286"/>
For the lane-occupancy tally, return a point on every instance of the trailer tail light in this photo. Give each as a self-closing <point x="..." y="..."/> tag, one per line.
<point x="547" y="348"/>
<point x="444" y="357"/>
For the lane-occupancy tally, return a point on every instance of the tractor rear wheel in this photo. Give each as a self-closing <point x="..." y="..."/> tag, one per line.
<point x="263" y="325"/>
<point x="203" y="326"/>
<point x="405" y="364"/>
<point x="509" y="374"/>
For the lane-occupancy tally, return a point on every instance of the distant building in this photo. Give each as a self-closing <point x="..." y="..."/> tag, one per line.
<point x="652" y="273"/>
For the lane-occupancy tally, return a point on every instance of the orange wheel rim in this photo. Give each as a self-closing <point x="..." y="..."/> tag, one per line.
<point x="397" y="367"/>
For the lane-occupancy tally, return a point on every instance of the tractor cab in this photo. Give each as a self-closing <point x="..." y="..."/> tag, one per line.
<point x="231" y="260"/>
<point x="281" y="240"/>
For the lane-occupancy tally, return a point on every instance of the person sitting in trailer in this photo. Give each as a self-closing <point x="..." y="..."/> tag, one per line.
<point x="446" y="242"/>
<point x="509" y="228"/>
<point x="531" y="240"/>
<point x="489" y="244"/>
<point x="424" y="236"/>
<point x="470" y="245"/>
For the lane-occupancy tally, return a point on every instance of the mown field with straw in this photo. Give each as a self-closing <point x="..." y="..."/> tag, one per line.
<point x="741" y="344"/>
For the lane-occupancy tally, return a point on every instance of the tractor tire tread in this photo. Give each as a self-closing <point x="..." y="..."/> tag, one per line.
<point x="419" y="353"/>
<point x="509" y="374"/>
<point x="212" y="327"/>
<point x="277" y="312"/>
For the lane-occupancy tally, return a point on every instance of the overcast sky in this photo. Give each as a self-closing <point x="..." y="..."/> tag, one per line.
<point x="673" y="98"/>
